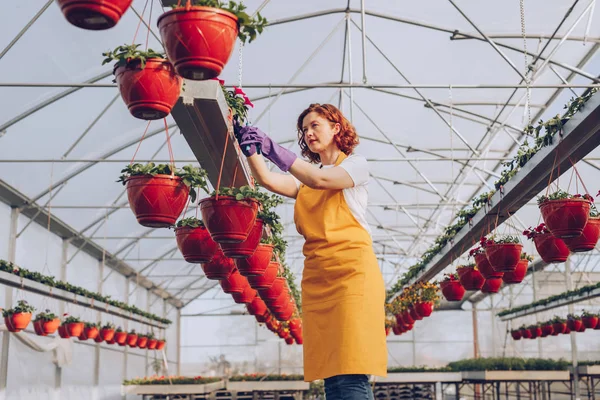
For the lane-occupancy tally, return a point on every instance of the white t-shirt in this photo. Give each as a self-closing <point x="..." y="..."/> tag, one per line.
<point x="357" y="196"/>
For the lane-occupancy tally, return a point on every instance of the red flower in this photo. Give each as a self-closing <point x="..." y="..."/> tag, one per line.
<point x="248" y="102"/>
<point x="221" y="81"/>
<point x="239" y="91"/>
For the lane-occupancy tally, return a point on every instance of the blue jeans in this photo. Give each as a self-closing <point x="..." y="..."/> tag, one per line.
<point x="348" y="387"/>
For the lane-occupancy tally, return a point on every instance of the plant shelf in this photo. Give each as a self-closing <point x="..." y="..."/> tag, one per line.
<point x="172" y="389"/>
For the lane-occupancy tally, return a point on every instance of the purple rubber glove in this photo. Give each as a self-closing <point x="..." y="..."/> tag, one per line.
<point x="248" y="150"/>
<point x="251" y="136"/>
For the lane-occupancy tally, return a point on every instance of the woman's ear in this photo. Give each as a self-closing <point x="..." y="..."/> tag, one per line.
<point x="337" y="128"/>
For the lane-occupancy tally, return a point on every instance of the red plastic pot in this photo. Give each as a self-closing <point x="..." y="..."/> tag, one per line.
<point x="581" y="328"/>
<point x="257" y="307"/>
<point x="504" y="257"/>
<point x="152" y="344"/>
<point x="265" y="280"/>
<point x="470" y="278"/>
<point x="574" y="324"/>
<point x="397" y="330"/>
<point x="199" y="40"/>
<point x="234" y="283"/>
<point x="280" y="303"/>
<point x="75" y="329"/>
<point x="424" y="309"/>
<point x="142" y="342"/>
<point x="588" y="239"/>
<point x="246" y="248"/>
<point x="414" y="314"/>
<point x="551" y="249"/>
<point x="244" y="297"/>
<point x="289" y="340"/>
<point x="565" y="218"/>
<point x="94" y="14"/>
<point x="98" y="339"/>
<point x="46" y="327"/>
<point x="559" y="327"/>
<point x="295" y="325"/>
<point x="516" y="334"/>
<point x="597" y="326"/>
<point x="547" y="330"/>
<point x="275" y="290"/>
<point x="220" y="267"/>
<point x="17" y="322"/>
<point x="525" y="333"/>
<point x="491" y="285"/>
<point x="107" y="334"/>
<point x="150" y="92"/>
<point x="407" y="318"/>
<point x="121" y="338"/>
<point x="535" y="332"/>
<point x="62" y="332"/>
<point x="132" y="339"/>
<point x="91" y="332"/>
<point x="452" y="290"/>
<point x="157" y="201"/>
<point x="567" y="331"/>
<point x="257" y="263"/>
<point x="387" y="331"/>
<point x="589" y="322"/>
<point x="518" y="274"/>
<point x="285" y="314"/>
<point x="228" y="220"/>
<point x="160" y="345"/>
<point x="195" y="244"/>
<point x="484" y="266"/>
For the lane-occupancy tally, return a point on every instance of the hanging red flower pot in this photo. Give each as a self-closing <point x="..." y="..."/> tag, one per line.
<point x="289" y="340"/>
<point x="588" y="239"/>
<point x="581" y="328"/>
<point x="407" y="319"/>
<point x="220" y="267"/>
<point x="160" y="345"/>
<point x="258" y="262"/>
<point x="229" y="220"/>
<point x="414" y="314"/>
<point x="397" y="329"/>
<point x="265" y="280"/>
<point x="547" y="330"/>
<point x="74" y="329"/>
<point x="550" y="248"/>
<point x="152" y="344"/>
<point x="388" y="330"/>
<point x="536" y="331"/>
<point x="574" y="324"/>
<point x="565" y="217"/>
<point x="235" y="283"/>
<point x="257" y="307"/>
<point x="424" y="308"/>
<point x="37" y="327"/>
<point x="245" y="297"/>
<point x="470" y="278"/>
<point x="94" y="14"/>
<point x="484" y="266"/>
<point x="44" y="326"/>
<point x="285" y="314"/>
<point x="491" y="285"/>
<point x="281" y="302"/>
<point x="132" y="339"/>
<point x="62" y="332"/>
<point x="149" y="91"/>
<point x="142" y="341"/>
<point x="503" y="257"/>
<point x="516" y="334"/>
<point x="295" y="325"/>
<point x="90" y="331"/>
<point x="559" y="327"/>
<point x="246" y="248"/>
<point x="195" y="244"/>
<point x="525" y="333"/>
<point x="275" y="290"/>
<point x="589" y="320"/>
<point x="18" y="321"/>
<point x="199" y="40"/>
<point x="107" y="332"/>
<point x="451" y="288"/>
<point x="120" y="337"/>
<point x="518" y="274"/>
<point x="157" y="200"/>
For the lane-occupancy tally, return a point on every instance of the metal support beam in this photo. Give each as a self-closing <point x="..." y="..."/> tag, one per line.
<point x="25" y="28"/>
<point x="569" y="286"/>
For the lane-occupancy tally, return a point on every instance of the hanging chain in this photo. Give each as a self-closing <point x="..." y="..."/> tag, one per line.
<point x="527" y="80"/>
<point x="240" y="62"/>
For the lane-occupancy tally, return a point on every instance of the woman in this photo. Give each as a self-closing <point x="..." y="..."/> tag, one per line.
<point x="343" y="293"/>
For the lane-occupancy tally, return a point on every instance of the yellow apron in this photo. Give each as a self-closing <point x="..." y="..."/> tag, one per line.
<point x="343" y="292"/>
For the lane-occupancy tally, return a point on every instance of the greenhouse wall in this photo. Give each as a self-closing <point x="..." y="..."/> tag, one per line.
<point x="75" y="369"/>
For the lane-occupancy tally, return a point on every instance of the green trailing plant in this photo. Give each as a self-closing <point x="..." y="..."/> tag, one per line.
<point x="190" y="222"/>
<point x="558" y="320"/>
<point x="71" y="320"/>
<point x="241" y="193"/>
<point x="92" y="325"/>
<point x="418" y="369"/>
<point x="21" y="307"/>
<point x="562" y="195"/>
<point x="167" y="380"/>
<point x="588" y="314"/>
<point x="500" y="239"/>
<point x="509" y="364"/>
<point x="248" y="27"/>
<point x="525" y="256"/>
<point x="191" y="176"/>
<point x="128" y="54"/>
<point x="574" y="317"/>
<point x="291" y="280"/>
<point x="552" y="127"/>
<point x="237" y="101"/>
<point x="47" y="315"/>
<point x="119" y="329"/>
<point x="108" y="326"/>
<point x="79" y="291"/>
<point x="265" y="377"/>
<point x="566" y="295"/>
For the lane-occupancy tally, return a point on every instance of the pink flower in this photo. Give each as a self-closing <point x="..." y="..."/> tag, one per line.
<point x="248" y="102"/>
<point x="221" y="81"/>
<point x="239" y="91"/>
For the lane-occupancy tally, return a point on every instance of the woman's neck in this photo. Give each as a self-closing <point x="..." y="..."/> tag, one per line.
<point x="330" y="156"/>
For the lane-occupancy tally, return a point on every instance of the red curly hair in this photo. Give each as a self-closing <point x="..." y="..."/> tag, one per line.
<point x="346" y="140"/>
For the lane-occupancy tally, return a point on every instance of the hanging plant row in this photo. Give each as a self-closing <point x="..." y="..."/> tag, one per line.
<point x="557" y="326"/>
<point x="413" y="304"/>
<point x="552" y="127"/>
<point x="47" y="323"/>
<point x="79" y="291"/>
<point x="582" y="291"/>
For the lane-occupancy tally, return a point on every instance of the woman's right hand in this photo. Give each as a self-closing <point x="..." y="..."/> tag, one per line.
<point x="252" y="140"/>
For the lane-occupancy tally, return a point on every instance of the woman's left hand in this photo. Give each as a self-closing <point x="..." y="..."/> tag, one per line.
<point x="252" y="140"/>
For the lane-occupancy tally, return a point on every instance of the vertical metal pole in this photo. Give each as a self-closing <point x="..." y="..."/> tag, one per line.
<point x="493" y="316"/>
<point x="179" y="341"/>
<point x="350" y="68"/>
<point x="569" y="283"/>
<point x="8" y="300"/>
<point x="61" y="309"/>
<point x="414" y="348"/>
<point x="537" y="320"/>
<point x="364" y="40"/>
<point x="125" y="329"/>
<point x="148" y="294"/>
<point x="475" y="335"/>
<point x="96" y="388"/>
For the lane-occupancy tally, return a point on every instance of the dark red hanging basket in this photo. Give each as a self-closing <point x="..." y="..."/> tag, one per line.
<point x="484" y="266"/>
<point x="424" y="309"/>
<point x="536" y="332"/>
<point x="150" y="92"/>
<point x="588" y="239"/>
<point x="220" y="267"/>
<point x="75" y="329"/>
<point x="275" y="290"/>
<point x="157" y="201"/>
<point x="414" y="314"/>
<point x="94" y="15"/>
<point x="452" y="290"/>
<point x="132" y="339"/>
<point x="407" y="318"/>
<point x="265" y="280"/>
<point x="257" y="263"/>
<point x="551" y="249"/>
<point x="257" y="307"/>
<point x="574" y="324"/>
<point x="470" y="278"/>
<point x="246" y="248"/>
<point x="525" y="333"/>
<point x="245" y="297"/>
<point x="62" y="332"/>
<point x="516" y="334"/>
<point x="152" y="344"/>
<point x="228" y="220"/>
<point x="559" y="327"/>
<point x="195" y="244"/>
<point x="198" y="40"/>
<point x="565" y="218"/>
<point x="160" y="345"/>
<point x="142" y="342"/>
<point x="281" y="302"/>
<point x="590" y="322"/>
<point x="121" y="338"/>
<point x="491" y="285"/>
<point x="518" y="274"/>
<point x="547" y="330"/>
<point x="107" y="334"/>
<point x="503" y="257"/>
<point x="234" y="283"/>
<point x="285" y="314"/>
